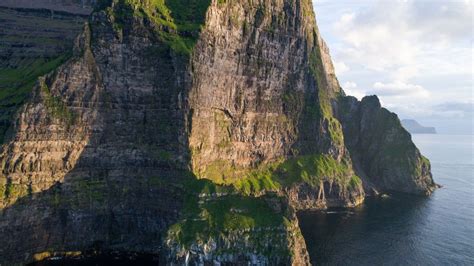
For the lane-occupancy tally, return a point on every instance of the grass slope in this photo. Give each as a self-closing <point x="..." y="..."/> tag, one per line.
<point x="178" y="21"/>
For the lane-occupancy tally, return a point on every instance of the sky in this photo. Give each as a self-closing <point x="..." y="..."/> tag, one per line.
<point x="416" y="55"/>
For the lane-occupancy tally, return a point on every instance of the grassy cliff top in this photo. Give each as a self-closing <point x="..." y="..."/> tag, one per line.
<point x="178" y="22"/>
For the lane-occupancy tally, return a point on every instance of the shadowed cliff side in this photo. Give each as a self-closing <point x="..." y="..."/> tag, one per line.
<point x="98" y="152"/>
<point x="385" y="154"/>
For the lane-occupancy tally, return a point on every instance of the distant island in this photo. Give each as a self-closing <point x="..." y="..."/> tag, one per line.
<point x="415" y="128"/>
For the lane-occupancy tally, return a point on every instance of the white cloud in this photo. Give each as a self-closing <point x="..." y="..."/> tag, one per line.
<point x="351" y="89"/>
<point x="407" y="37"/>
<point x="340" y="67"/>
<point x="460" y="109"/>
<point x="375" y="40"/>
<point x="399" y="89"/>
<point x="447" y="110"/>
<point x="349" y="85"/>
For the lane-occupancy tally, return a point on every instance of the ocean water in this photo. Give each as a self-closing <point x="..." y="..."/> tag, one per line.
<point x="405" y="230"/>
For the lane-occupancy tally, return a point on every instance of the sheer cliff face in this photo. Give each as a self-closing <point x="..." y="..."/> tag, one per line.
<point x="261" y="93"/>
<point x="34" y="42"/>
<point x="383" y="149"/>
<point x="194" y="133"/>
<point x="96" y="156"/>
<point x="49" y="136"/>
<point x="252" y="82"/>
<point x="251" y="56"/>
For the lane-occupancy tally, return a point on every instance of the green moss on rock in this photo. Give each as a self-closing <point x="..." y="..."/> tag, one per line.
<point x="209" y="218"/>
<point x="55" y="105"/>
<point x="178" y="22"/>
<point x="355" y="182"/>
<point x="310" y="169"/>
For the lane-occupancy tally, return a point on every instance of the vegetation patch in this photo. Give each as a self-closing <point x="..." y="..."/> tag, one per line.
<point x="324" y="97"/>
<point x="355" y="182"/>
<point x="13" y="191"/>
<point x="209" y="218"/>
<point x="55" y="106"/>
<point x="260" y="180"/>
<point x="335" y="131"/>
<point x="316" y="68"/>
<point x="310" y="169"/>
<point x="178" y="22"/>
<point x="232" y="203"/>
<point x="213" y="211"/>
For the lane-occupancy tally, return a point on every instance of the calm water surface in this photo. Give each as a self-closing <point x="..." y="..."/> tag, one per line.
<point x="405" y="230"/>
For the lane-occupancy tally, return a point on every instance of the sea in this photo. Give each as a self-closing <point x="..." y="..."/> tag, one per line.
<point x="402" y="229"/>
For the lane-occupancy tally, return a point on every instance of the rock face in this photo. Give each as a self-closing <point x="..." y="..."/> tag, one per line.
<point x="34" y="42"/>
<point x="250" y="56"/>
<point x="383" y="149"/>
<point x="194" y="133"/>
<point x="257" y="68"/>
<point x="84" y="154"/>
<point x="82" y="7"/>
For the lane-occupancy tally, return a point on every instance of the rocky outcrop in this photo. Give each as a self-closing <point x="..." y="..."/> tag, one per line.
<point x="248" y="56"/>
<point x="226" y="235"/>
<point x="52" y="129"/>
<point x="33" y="43"/>
<point x="383" y="149"/>
<point x="196" y="134"/>
<point x="329" y="194"/>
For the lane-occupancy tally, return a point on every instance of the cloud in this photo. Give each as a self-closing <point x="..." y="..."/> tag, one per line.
<point x="377" y="40"/>
<point x="415" y="54"/>
<point x="349" y="85"/>
<point x="441" y="112"/>
<point x="340" y="67"/>
<point x="402" y="36"/>
<point x="442" y="21"/>
<point x="460" y="109"/>
<point x="351" y="89"/>
<point x="399" y="89"/>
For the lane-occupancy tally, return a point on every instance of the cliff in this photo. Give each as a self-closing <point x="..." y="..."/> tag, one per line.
<point x="194" y="129"/>
<point x="78" y="7"/>
<point x="33" y="43"/>
<point x="383" y="149"/>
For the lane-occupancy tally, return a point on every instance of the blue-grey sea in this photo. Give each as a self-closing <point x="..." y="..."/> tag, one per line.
<point x="405" y="230"/>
